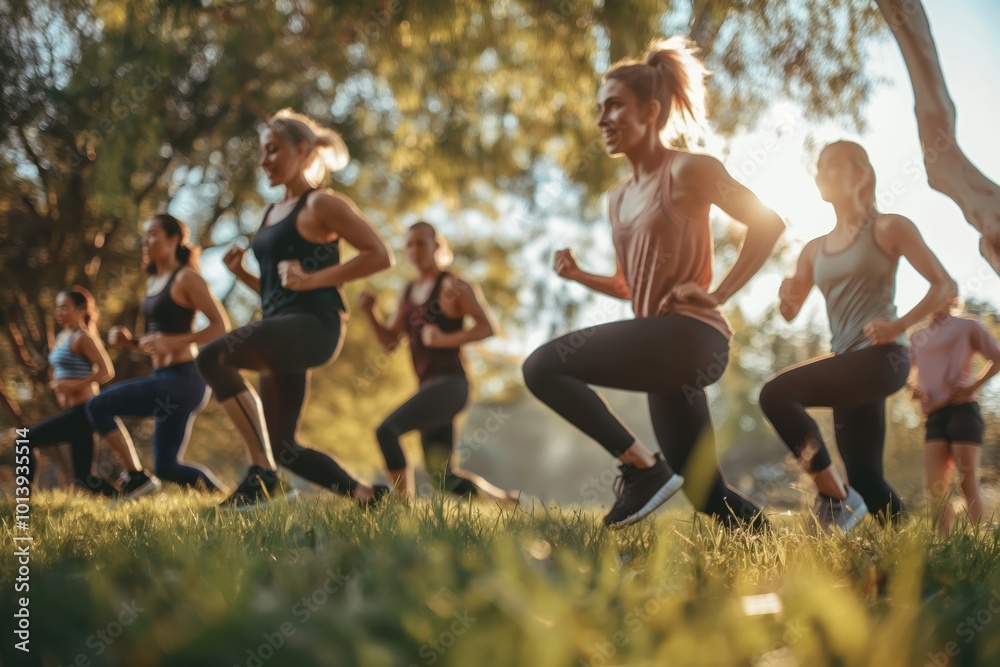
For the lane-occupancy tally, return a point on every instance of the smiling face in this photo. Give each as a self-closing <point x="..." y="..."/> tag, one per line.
<point x="157" y="246"/>
<point x="837" y="176"/>
<point x="624" y="122"/>
<point x="280" y="159"/>
<point x="68" y="314"/>
<point x="420" y="247"/>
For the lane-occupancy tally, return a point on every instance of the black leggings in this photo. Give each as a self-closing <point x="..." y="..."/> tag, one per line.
<point x="173" y="396"/>
<point x="672" y="358"/>
<point x="69" y="426"/>
<point x="432" y="410"/>
<point x="282" y="348"/>
<point x="855" y="384"/>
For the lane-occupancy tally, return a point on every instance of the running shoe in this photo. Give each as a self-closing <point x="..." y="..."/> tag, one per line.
<point x="640" y="491"/>
<point x="256" y="490"/>
<point x="844" y="514"/>
<point x="139" y="483"/>
<point x="98" y="486"/>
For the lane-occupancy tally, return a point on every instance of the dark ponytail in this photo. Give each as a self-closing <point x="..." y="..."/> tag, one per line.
<point x="83" y="299"/>
<point x="186" y="255"/>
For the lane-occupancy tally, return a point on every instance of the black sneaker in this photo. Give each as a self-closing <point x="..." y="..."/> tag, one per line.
<point x="139" y="483"/>
<point x="379" y="491"/>
<point x="640" y="491"/>
<point x="256" y="490"/>
<point x="98" y="486"/>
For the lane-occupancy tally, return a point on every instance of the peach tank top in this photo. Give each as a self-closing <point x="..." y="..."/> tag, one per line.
<point x="662" y="248"/>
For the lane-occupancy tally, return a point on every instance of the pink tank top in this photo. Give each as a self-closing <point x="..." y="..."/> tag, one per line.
<point x="942" y="353"/>
<point x="662" y="248"/>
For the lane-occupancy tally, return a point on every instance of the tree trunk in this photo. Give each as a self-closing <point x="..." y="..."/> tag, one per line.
<point x="949" y="171"/>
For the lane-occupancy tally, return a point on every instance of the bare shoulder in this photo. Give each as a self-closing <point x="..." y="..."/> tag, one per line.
<point x="188" y="277"/>
<point x="327" y="201"/>
<point x="696" y="166"/>
<point x="455" y="284"/>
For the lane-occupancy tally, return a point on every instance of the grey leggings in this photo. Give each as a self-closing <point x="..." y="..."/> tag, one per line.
<point x="671" y="358"/>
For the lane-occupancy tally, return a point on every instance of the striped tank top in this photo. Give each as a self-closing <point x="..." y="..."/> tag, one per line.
<point x="66" y="364"/>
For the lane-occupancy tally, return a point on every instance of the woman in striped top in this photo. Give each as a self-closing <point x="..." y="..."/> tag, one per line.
<point x="79" y="365"/>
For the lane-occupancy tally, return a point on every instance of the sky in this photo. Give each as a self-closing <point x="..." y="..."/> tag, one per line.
<point x="779" y="171"/>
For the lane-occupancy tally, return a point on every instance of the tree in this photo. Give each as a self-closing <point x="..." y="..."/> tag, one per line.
<point x="949" y="170"/>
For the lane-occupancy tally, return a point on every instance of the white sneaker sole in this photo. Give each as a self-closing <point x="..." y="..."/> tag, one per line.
<point x="672" y="486"/>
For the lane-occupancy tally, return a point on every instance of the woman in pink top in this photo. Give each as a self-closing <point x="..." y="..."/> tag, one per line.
<point x="941" y="358"/>
<point x="678" y="343"/>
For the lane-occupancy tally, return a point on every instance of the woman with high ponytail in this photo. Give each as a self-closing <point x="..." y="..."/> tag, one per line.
<point x="80" y="364"/>
<point x="175" y="393"/>
<point x="855" y="267"/>
<point x="678" y="343"/>
<point x="303" y="305"/>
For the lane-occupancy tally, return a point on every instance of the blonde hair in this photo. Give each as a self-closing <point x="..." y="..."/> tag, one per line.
<point x="671" y="73"/>
<point x="327" y="151"/>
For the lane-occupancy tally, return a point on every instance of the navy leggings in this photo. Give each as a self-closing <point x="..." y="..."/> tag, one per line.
<point x="855" y="384"/>
<point x="172" y="396"/>
<point x="671" y="358"/>
<point x="69" y="426"/>
<point x="432" y="411"/>
<point x="282" y="348"/>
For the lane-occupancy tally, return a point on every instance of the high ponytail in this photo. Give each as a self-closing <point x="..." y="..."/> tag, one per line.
<point x="671" y="73"/>
<point x="327" y="151"/>
<point x="83" y="299"/>
<point x="187" y="255"/>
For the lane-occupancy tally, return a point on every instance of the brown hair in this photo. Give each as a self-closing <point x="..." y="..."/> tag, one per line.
<point x="82" y="298"/>
<point x="187" y="255"/>
<point x="327" y="150"/>
<point x="443" y="254"/>
<point x="857" y="156"/>
<point x="670" y="73"/>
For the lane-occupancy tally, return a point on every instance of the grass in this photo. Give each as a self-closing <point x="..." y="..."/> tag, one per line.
<point x="172" y="580"/>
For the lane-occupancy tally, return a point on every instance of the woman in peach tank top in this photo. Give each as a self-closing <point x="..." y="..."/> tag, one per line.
<point x="678" y="343"/>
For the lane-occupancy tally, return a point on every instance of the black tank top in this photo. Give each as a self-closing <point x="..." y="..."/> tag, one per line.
<point x="161" y="313"/>
<point x="280" y="241"/>
<point x="431" y="362"/>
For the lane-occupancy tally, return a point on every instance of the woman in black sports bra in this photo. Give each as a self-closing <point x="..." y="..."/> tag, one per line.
<point x="175" y="393"/>
<point x="431" y="314"/>
<point x="304" y="311"/>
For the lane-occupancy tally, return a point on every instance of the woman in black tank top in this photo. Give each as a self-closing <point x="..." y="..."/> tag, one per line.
<point x="297" y="248"/>
<point x="174" y="394"/>
<point x="430" y="314"/>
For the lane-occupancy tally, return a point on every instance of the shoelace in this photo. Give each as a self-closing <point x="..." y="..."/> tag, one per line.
<point x="619" y="484"/>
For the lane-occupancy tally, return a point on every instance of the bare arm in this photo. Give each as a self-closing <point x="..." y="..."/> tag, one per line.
<point x="904" y="240"/>
<point x="614" y="286"/>
<point x="983" y="342"/>
<point x="233" y="259"/>
<point x="472" y="304"/>
<point x="389" y="333"/>
<point x="338" y="215"/>
<point x="714" y="184"/>
<point x="795" y="290"/>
